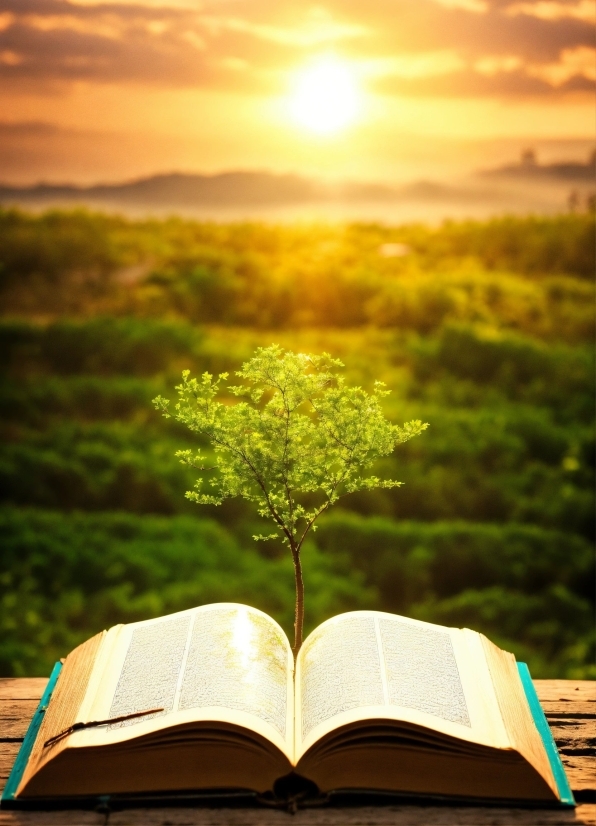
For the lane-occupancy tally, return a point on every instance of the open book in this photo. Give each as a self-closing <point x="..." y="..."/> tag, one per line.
<point x="207" y="700"/>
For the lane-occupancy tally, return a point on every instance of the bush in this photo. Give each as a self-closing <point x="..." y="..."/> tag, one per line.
<point x="483" y="329"/>
<point x="66" y="577"/>
<point x="101" y="346"/>
<point x="527" y="588"/>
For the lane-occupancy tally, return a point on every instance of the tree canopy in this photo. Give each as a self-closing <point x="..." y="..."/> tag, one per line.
<point x="297" y="440"/>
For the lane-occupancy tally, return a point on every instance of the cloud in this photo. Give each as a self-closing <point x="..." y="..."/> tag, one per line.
<point x="9" y="58"/>
<point x="60" y="41"/>
<point x="472" y="83"/>
<point x="553" y="10"/>
<point x="495" y="64"/>
<point x="475" y="6"/>
<point x="190" y="5"/>
<point x="318" y="29"/>
<point x="504" y="75"/>
<point x="414" y="65"/>
<point x="6" y="20"/>
<point x="573" y="63"/>
<point x="491" y="47"/>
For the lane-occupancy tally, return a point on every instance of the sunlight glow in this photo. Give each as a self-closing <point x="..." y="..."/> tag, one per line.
<point x="325" y="98"/>
<point x="243" y="644"/>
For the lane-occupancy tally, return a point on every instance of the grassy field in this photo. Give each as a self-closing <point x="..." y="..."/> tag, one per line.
<point x="485" y="330"/>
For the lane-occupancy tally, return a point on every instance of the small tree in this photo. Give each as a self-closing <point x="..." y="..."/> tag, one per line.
<point x="298" y="441"/>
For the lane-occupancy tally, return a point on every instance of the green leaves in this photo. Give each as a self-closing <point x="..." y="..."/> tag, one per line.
<point x="296" y="440"/>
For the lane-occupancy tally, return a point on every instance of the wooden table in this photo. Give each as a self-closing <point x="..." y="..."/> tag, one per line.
<point x="570" y="706"/>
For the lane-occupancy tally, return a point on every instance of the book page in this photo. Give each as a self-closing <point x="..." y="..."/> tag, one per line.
<point x="373" y="665"/>
<point x="340" y="670"/>
<point x="222" y="662"/>
<point x="421" y="670"/>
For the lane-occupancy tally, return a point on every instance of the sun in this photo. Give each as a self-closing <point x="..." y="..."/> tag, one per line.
<point x="325" y="98"/>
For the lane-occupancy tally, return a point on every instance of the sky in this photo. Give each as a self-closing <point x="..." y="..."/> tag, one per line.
<point x="384" y="90"/>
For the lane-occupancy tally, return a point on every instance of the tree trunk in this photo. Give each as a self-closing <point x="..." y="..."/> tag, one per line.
<point x="299" y="612"/>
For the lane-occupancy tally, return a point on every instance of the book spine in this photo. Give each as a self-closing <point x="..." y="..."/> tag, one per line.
<point x="565" y="793"/>
<point x="10" y="790"/>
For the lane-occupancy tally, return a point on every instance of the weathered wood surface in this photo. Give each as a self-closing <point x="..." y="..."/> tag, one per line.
<point x="570" y="706"/>
<point x="361" y="816"/>
<point x="28" y="688"/>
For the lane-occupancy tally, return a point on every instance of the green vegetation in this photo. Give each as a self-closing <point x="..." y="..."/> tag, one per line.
<point x="300" y="441"/>
<point x="69" y="574"/>
<point x="484" y="330"/>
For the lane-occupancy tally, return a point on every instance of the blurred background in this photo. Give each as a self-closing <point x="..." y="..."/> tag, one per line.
<point x="407" y="184"/>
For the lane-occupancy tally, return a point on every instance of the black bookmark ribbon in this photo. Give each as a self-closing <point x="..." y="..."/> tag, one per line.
<point x="95" y="723"/>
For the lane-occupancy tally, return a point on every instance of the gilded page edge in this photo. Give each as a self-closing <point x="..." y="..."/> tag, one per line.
<point x="519" y="722"/>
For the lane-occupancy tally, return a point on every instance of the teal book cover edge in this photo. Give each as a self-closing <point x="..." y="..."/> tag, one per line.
<point x="550" y="746"/>
<point x="540" y="721"/>
<point x="20" y="763"/>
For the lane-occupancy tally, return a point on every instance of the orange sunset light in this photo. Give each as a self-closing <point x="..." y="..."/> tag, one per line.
<point x="390" y="91"/>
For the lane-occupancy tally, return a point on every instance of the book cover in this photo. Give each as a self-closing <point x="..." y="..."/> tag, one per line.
<point x="550" y="746"/>
<point x="14" y="778"/>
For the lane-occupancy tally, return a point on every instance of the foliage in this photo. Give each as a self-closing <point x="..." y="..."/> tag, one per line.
<point x="102" y="345"/>
<point x="483" y="329"/>
<point x="528" y="588"/>
<point x="532" y="275"/>
<point x="535" y="245"/>
<point x="54" y="243"/>
<point x="65" y="577"/>
<point x="300" y="442"/>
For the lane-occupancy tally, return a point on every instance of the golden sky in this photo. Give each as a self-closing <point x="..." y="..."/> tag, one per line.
<point x="362" y="89"/>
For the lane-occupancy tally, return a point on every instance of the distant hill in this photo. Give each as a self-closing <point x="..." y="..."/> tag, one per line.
<point x="178" y="190"/>
<point x="528" y="168"/>
<point x="517" y="188"/>
<point x="227" y="189"/>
